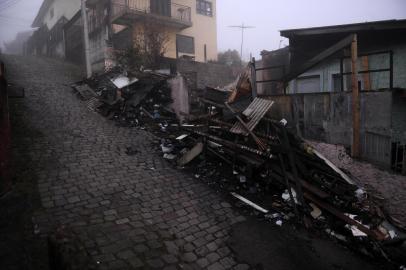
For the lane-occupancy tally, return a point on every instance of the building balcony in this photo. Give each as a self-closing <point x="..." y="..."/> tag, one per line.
<point x="126" y="12"/>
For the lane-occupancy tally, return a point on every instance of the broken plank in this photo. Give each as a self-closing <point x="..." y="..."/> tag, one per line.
<point x="334" y="167"/>
<point x="248" y="202"/>
<point x="191" y="155"/>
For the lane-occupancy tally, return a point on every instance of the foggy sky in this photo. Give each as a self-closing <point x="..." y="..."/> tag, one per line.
<point x="268" y="16"/>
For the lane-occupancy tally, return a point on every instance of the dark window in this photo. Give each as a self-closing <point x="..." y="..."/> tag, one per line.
<point x="204" y="7"/>
<point x="337" y="83"/>
<point x="51" y="13"/>
<point x="185" y="44"/>
<point x="161" y="7"/>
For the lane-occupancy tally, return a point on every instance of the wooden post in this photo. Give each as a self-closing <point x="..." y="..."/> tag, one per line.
<point x="341" y="73"/>
<point x="366" y="76"/>
<point x="2" y="69"/>
<point x="356" y="119"/>
<point x="253" y="78"/>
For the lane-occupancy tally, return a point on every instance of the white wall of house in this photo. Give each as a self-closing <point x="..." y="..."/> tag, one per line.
<point x="58" y="9"/>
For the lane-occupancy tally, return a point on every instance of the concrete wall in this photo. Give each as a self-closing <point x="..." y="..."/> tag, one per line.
<point x="207" y="74"/>
<point x="98" y="51"/>
<point x="180" y="96"/>
<point x="328" y="117"/>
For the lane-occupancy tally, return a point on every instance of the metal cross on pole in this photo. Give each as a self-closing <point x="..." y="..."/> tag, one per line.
<point x="242" y="27"/>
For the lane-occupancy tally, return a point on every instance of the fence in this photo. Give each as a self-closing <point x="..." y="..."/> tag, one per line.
<point x="165" y="8"/>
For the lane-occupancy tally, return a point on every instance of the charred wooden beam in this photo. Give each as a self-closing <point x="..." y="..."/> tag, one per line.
<point x="373" y="233"/>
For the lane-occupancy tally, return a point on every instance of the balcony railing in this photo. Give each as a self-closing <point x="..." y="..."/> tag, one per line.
<point x="176" y="13"/>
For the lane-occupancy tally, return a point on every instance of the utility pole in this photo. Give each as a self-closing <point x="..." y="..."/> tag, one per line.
<point x="356" y="104"/>
<point x="242" y="27"/>
<point x="86" y="40"/>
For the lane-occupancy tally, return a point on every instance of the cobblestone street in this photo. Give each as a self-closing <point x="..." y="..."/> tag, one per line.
<point x="138" y="211"/>
<point x="131" y="212"/>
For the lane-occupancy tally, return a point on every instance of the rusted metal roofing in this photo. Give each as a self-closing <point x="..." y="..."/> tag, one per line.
<point x="255" y="112"/>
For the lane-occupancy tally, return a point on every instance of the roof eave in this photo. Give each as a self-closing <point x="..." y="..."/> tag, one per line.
<point x="41" y="12"/>
<point x="375" y="25"/>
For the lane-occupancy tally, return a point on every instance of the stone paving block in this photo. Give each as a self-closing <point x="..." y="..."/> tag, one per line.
<point x="125" y="254"/>
<point x="122" y="221"/>
<point x="213" y="257"/>
<point x="137" y="216"/>
<point x="169" y="259"/>
<point x="189" y="257"/>
<point x="216" y="266"/>
<point x="155" y="263"/>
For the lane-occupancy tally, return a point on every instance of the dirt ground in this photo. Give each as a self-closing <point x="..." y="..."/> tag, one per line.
<point x="391" y="187"/>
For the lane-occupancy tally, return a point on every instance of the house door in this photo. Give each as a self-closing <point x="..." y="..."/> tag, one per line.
<point x="161" y="7"/>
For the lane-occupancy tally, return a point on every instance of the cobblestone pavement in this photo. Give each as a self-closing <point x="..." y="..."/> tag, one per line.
<point x="392" y="187"/>
<point x="131" y="212"/>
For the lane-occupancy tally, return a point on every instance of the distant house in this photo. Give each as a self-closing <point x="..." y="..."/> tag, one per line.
<point x="189" y="25"/>
<point x="48" y="39"/>
<point x="318" y="59"/>
<point x="311" y="83"/>
<point x="19" y="44"/>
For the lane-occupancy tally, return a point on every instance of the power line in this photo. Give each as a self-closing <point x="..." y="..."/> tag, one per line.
<point x="242" y="27"/>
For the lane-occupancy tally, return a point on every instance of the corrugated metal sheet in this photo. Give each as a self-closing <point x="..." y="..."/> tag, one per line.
<point x="376" y="148"/>
<point x="255" y="112"/>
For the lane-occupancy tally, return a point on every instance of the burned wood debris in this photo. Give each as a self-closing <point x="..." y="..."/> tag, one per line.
<point x="126" y="97"/>
<point x="235" y="146"/>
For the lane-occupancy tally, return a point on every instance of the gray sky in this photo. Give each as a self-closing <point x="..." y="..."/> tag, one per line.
<point x="268" y="16"/>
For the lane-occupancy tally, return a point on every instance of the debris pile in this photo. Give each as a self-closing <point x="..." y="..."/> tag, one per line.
<point x="234" y="145"/>
<point x="128" y="98"/>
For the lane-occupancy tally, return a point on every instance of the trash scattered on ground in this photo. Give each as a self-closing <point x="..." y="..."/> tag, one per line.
<point x="234" y="146"/>
<point x="255" y="206"/>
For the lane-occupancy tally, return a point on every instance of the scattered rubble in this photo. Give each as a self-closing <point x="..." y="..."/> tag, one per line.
<point x="235" y="147"/>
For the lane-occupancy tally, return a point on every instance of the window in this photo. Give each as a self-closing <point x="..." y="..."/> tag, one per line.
<point x="337" y="83"/>
<point x="308" y="84"/>
<point x="51" y="13"/>
<point x="185" y="44"/>
<point x="204" y="8"/>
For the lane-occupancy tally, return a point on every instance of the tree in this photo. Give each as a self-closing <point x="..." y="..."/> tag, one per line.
<point x="149" y="46"/>
<point x="230" y="58"/>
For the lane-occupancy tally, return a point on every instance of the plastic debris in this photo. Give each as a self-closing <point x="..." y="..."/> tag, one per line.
<point x="284" y="122"/>
<point x="122" y="81"/>
<point x="181" y="137"/>
<point x="316" y="213"/>
<point x="169" y="156"/>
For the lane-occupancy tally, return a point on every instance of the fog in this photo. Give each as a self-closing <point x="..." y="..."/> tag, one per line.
<point x="267" y="16"/>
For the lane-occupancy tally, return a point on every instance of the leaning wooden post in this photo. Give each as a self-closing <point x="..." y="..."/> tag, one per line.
<point x="253" y="78"/>
<point x="356" y="104"/>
